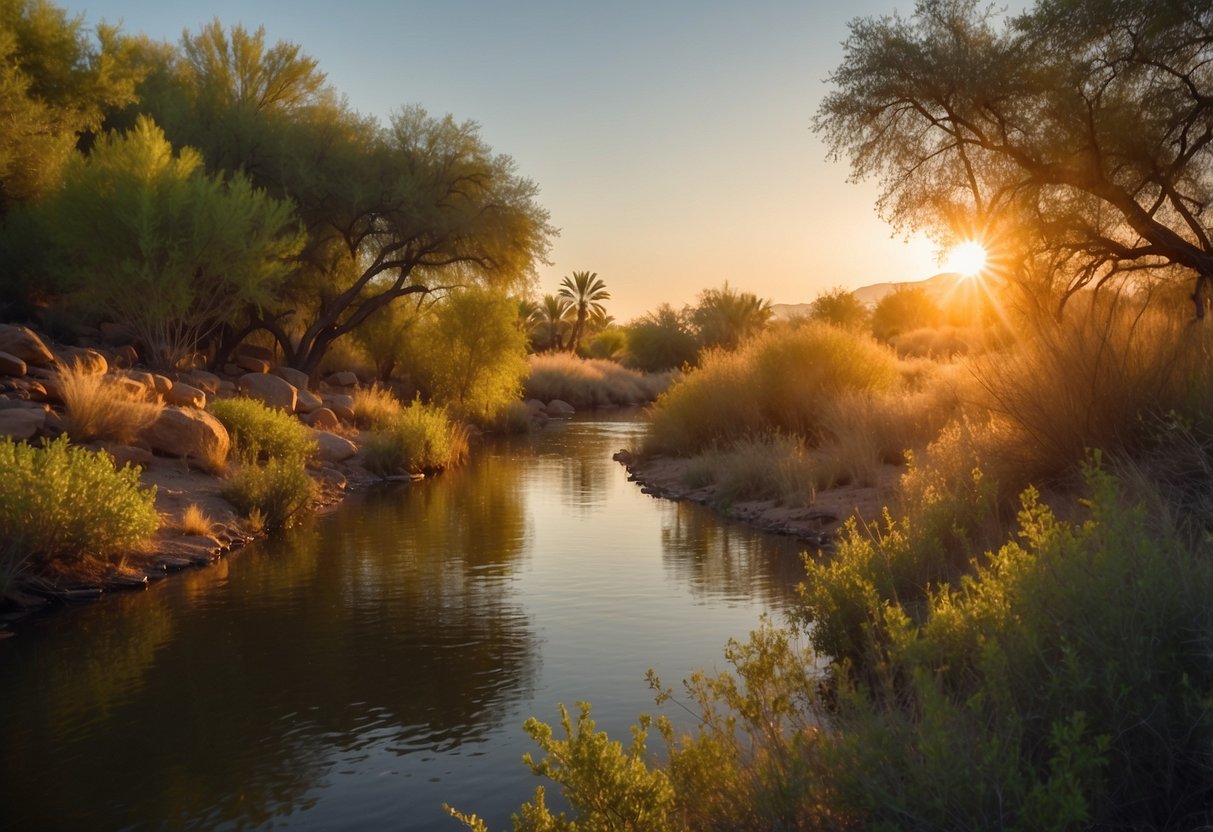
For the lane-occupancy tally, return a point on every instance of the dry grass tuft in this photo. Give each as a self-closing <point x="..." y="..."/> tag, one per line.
<point x="376" y="407"/>
<point x="101" y="407"/>
<point x="591" y="382"/>
<point x="195" y="521"/>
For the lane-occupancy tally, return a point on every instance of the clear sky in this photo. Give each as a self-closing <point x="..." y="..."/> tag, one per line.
<point x="671" y="140"/>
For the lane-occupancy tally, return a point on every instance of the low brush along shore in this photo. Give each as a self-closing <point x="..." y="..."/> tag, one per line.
<point x="172" y="451"/>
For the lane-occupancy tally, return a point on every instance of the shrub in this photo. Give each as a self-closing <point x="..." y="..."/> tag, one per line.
<point x="60" y="502"/>
<point x="1102" y="378"/>
<point x="277" y="490"/>
<point x="590" y="382"/>
<point x="904" y="309"/>
<point x="777" y="468"/>
<point x="780" y="381"/>
<point x="421" y="439"/>
<point x="102" y="407"/>
<point x="661" y="340"/>
<point x="375" y="407"/>
<point x="261" y="433"/>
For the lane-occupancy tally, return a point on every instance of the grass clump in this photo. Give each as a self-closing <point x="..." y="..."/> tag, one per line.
<point x="103" y="407"/>
<point x="260" y="433"/>
<point x="375" y="407"/>
<point x="420" y="439"/>
<point x="778" y="382"/>
<point x="60" y="502"/>
<point x="591" y="382"/>
<point x="195" y="521"/>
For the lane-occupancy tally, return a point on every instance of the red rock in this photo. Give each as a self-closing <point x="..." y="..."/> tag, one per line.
<point x="186" y="432"/>
<point x="24" y="344"/>
<point x="274" y="391"/>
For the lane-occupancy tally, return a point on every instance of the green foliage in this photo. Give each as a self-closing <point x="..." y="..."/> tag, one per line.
<point x="903" y="310"/>
<point x="260" y="433"/>
<point x="472" y="353"/>
<point x="133" y="220"/>
<point x="274" y="492"/>
<point x="54" y="85"/>
<point x="611" y="788"/>
<point x="661" y="340"/>
<point x="841" y="308"/>
<point x="551" y="322"/>
<point x="725" y="317"/>
<point x="611" y="344"/>
<point x="60" y="502"/>
<point x="590" y="382"/>
<point x="778" y="382"/>
<point x="420" y="439"/>
<point x="1065" y="683"/>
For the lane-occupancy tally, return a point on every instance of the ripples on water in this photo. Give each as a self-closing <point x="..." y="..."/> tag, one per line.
<point x="362" y="669"/>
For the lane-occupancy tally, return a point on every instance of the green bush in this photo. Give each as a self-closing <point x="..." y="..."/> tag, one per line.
<point x="260" y="433"/>
<point x="60" y="502"/>
<point x="421" y="439"/>
<point x="277" y="490"/>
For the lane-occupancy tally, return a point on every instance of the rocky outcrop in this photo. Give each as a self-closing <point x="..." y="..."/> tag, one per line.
<point x="21" y="422"/>
<point x="297" y="378"/>
<point x="183" y="395"/>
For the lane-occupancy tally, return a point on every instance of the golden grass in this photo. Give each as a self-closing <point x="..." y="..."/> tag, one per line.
<point x="101" y="407"/>
<point x="591" y="382"/>
<point x="195" y="521"/>
<point x="376" y="407"/>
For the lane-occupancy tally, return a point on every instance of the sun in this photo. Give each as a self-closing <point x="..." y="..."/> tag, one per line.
<point x="967" y="258"/>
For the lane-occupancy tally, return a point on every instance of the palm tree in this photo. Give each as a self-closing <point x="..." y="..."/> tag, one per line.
<point x="554" y="315"/>
<point x="725" y="317"/>
<point x="584" y="290"/>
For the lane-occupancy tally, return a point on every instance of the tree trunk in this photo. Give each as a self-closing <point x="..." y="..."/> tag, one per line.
<point x="1199" y="300"/>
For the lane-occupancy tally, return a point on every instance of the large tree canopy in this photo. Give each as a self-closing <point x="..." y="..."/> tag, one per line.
<point x="1079" y="134"/>
<point x="390" y="210"/>
<point x="55" y="83"/>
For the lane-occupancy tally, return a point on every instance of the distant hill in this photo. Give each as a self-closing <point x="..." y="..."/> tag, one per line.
<point x="937" y="286"/>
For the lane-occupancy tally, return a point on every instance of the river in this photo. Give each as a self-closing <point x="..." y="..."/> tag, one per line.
<point x="361" y="669"/>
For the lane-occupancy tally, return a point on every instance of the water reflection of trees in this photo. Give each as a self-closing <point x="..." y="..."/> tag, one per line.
<point x="727" y="559"/>
<point x="387" y="625"/>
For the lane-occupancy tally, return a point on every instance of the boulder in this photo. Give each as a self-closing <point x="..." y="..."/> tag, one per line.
<point x="84" y="360"/>
<point x="534" y="405"/>
<point x="232" y="370"/>
<point x="251" y="364"/>
<point x="125" y="356"/>
<point x="21" y="423"/>
<point x="342" y="379"/>
<point x="184" y="395"/>
<point x="11" y="365"/>
<point x="341" y="405"/>
<point x="333" y="448"/>
<point x="296" y="377"/>
<point x="559" y="407"/>
<point x="186" y="432"/>
<point x="124" y="455"/>
<point x="163" y="384"/>
<point x="21" y="342"/>
<point x="307" y="401"/>
<point x="322" y="418"/>
<point x="274" y="391"/>
<point x="207" y="382"/>
<point x="142" y="378"/>
<point x="131" y="386"/>
<point x="254" y="351"/>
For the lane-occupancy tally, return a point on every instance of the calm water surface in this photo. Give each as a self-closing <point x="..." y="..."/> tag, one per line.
<point x="362" y="669"/>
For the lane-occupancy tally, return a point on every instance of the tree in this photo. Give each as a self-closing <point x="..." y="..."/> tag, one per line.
<point x="54" y="86"/>
<point x="586" y="291"/>
<point x="725" y="317"/>
<point x="554" y="314"/>
<point x="147" y="238"/>
<point x="841" y="308"/>
<point x="1079" y="134"/>
<point x="390" y="211"/>
<point x="473" y="355"/>
<point x="661" y="340"/>
<point x="905" y="309"/>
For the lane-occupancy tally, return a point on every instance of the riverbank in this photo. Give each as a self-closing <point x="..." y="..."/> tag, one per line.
<point x="817" y="524"/>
